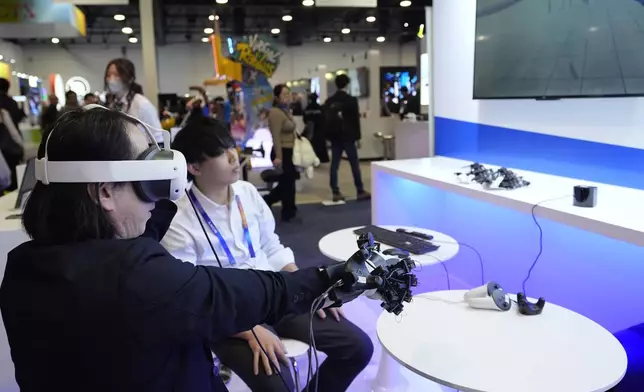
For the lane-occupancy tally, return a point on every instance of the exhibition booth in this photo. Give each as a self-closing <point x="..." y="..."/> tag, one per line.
<point x="570" y="233"/>
<point x="563" y="224"/>
<point x="376" y="87"/>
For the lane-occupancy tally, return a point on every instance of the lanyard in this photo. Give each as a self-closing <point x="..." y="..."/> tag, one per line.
<point x="217" y="233"/>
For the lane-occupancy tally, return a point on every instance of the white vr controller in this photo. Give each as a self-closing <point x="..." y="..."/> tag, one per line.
<point x="489" y="296"/>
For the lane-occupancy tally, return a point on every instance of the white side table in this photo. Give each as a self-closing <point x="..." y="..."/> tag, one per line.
<point x="340" y="245"/>
<point x="475" y="350"/>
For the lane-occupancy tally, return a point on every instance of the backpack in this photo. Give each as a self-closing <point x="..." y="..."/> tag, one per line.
<point x="333" y="119"/>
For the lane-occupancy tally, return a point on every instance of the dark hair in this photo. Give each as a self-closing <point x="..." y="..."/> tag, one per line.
<point x="4" y="86"/>
<point x="219" y="99"/>
<point x="126" y="71"/>
<point x="70" y="93"/>
<point x="342" y="81"/>
<point x="68" y="212"/>
<point x="404" y="89"/>
<point x="201" y="139"/>
<point x="88" y="96"/>
<point x="277" y="91"/>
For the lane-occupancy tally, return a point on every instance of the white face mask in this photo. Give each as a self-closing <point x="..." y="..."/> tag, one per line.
<point x="115" y="86"/>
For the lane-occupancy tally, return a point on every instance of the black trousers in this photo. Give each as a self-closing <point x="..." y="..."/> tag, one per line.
<point x="347" y="347"/>
<point x="337" y="147"/>
<point x="12" y="162"/>
<point x="285" y="190"/>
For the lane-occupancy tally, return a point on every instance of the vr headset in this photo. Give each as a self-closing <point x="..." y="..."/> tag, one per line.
<point x="157" y="173"/>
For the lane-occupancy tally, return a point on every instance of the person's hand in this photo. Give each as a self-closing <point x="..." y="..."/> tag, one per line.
<point x="336" y="313"/>
<point x="358" y="144"/>
<point x="273" y="346"/>
<point x="277" y="162"/>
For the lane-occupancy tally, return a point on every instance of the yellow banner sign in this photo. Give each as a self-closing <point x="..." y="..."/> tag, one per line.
<point x="257" y="52"/>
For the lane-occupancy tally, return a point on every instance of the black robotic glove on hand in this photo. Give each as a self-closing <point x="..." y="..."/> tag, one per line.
<point x="369" y="272"/>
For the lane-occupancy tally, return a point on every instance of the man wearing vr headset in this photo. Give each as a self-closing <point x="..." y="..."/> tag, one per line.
<point x="241" y="228"/>
<point x="92" y="305"/>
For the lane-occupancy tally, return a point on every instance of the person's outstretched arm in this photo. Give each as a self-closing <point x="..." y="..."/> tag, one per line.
<point x="166" y="299"/>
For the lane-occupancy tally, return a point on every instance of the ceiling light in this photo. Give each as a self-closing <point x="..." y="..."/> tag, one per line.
<point x="287" y="18"/>
<point x="275" y="31"/>
<point x="211" y="17"/>
<point x="1" y="57"/>
<point x="327" y="39"/>
<point x="371" y="19"/>
<point x="55" y="40"/>
<point x="222" y="1"/>
<point x="12" y="61"/>
<point x="133" y="40"/>
<point x="208" y="30"/>
<point x="119" y="17"/>
<point x="308" y="3"/>
<point x="205" y="39"/>
<point x="405" y="3"/>
<point x="380" y="39"/>
<point x="346" y="30"/>
<point x="127" y="30"/>
<point x="406" y="24"/>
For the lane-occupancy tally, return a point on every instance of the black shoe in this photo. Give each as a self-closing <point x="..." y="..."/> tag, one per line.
<point x="292" y="220"/>
<point x="364" y="195"/>
<point x="337" y="197"/>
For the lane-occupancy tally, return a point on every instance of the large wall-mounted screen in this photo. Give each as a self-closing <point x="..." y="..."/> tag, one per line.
<point x="548" y="49"/>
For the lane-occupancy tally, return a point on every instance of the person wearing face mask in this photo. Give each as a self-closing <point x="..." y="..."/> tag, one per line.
<point x="120" y="80"/>
<point x="241" y="228"/>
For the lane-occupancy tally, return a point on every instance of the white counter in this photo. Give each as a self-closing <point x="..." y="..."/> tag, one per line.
<point x="614" y="215"/>
<point x="592" y="259"/>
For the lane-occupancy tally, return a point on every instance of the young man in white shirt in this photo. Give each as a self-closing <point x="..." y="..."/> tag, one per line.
<point x="241" y="228"/>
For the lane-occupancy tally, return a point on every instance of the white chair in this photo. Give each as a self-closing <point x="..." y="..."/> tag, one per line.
<point x="294" y="349"/>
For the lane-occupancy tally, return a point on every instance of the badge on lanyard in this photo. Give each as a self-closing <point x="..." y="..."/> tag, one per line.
<point x="217" y="233"/>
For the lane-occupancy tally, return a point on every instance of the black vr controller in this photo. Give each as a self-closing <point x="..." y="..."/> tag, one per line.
<point x="368" y="271"/>
<point x="528" y="308"/>
<point x="480" y="174"/>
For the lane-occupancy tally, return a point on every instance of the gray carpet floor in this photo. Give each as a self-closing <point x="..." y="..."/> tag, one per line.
<point x="317" y="221"/>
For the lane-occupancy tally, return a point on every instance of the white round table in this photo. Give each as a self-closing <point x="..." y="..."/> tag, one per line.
<point x="341" y="244"/>
<point x="476" y="350"/>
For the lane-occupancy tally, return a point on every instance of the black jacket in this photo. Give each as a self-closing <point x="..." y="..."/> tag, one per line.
<point x="8" y="103"/>
<point x="350" y="115"/>
<point x="126" y="316"/>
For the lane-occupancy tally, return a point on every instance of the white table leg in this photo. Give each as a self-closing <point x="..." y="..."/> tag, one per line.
<point x="388" y="378"/>
<point x="391" y="378"/>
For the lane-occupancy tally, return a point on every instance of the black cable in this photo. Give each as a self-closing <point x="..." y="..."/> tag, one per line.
<point x="203" y="228"/>
<point x="313" y="350"/>
<point x="536" y="222"/>
<point x="470" y="247"/>
<point x="274" y="366"/>
<point x="212" y="247"/>
<point x="449" y="285"/>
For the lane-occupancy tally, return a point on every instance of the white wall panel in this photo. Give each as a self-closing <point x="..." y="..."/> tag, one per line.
<point x="618" y="121"/>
